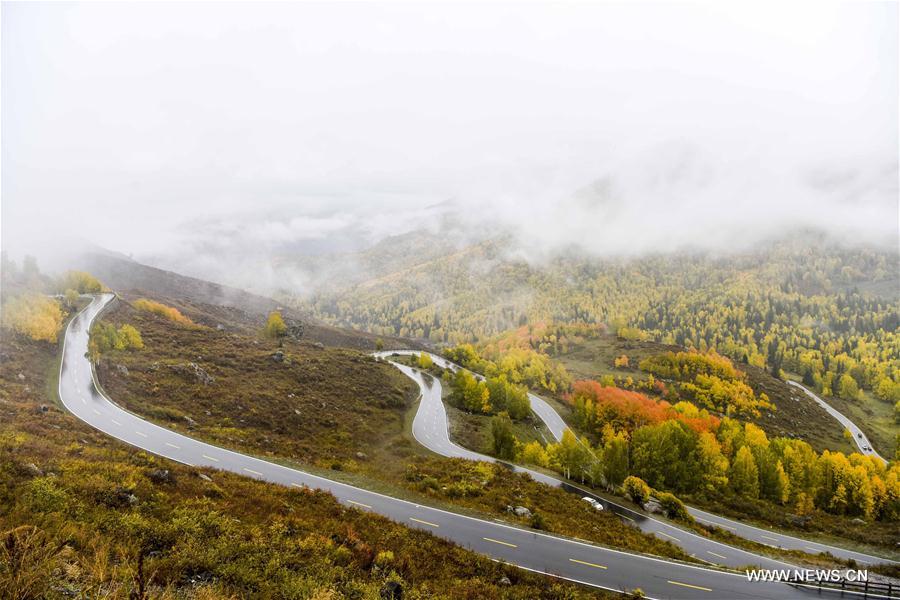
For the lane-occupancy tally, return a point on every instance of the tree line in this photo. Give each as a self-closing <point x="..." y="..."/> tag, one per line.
<point x="689" y="452"/>
<point x="807" y="308"/>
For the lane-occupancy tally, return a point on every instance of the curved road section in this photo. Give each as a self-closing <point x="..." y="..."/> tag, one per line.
<point x="559" y="557"/>
<point x="433" y="433"/>
<point x="430" y="428"/>
<point x="862" y="442"/>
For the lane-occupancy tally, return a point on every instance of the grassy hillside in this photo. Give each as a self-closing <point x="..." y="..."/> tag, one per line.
<point x="317" y="404"/>
<point x="876" y="418"/>
<point x="82" y="515"/>
<point x="335" y="411"/>
<point x="214" y="304"/>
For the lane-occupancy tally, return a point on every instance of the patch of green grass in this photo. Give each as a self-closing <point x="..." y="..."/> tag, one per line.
<point x="875" y="417"/>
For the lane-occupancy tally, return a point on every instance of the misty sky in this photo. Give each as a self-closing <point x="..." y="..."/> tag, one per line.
<point x="243" y="129"/>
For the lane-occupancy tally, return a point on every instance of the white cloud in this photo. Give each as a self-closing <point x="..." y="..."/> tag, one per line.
<point x="144" y="127"/>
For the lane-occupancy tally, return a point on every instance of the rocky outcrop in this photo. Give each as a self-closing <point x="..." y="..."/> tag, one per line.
<point x="195" y="371"/>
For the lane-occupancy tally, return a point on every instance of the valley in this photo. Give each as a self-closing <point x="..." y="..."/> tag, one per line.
<point x="187" y="450"/>
<point x="449" y="301"/>
<point x="311" y="407"/>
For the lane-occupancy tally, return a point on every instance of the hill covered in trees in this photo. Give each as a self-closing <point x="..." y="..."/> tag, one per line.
<point x="808" y="308"/>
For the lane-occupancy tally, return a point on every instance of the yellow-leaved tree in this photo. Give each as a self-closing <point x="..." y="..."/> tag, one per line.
<point x="34" y="315"/>
<point x="275" y="327"/>
<point x="80" y="281"/>
<point x="425" y="361"/>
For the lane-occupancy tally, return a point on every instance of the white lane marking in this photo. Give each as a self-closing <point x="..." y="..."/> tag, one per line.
<point x="718" y="555"/>
<point x="668" y="536"/>
<point x="769" y="538"/>
<point x="358" y="503"/>
<point x="171" y="445"/>
<point x="210" y="458"/>
<point x="429" y="523"/>
<point x="816" y="550"/>
<point x="96" y="412"/>
<point x="141" y="433"/>
<point x="253" y="472"/>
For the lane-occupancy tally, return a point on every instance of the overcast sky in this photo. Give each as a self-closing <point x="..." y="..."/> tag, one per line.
<point x="157" y="128"/>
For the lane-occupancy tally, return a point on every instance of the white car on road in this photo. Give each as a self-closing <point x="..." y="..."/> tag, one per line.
<point x="593" y="502"/>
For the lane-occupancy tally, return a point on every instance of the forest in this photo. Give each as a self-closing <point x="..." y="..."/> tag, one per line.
<point x="807" y="308"/>
<point x="696" y="445"/>
<point x="684" y="449"/>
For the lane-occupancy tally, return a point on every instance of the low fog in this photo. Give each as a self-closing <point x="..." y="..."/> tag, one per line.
<point x="222" y="140"/>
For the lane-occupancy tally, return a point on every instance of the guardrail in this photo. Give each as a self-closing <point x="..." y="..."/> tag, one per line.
<point x="854" y="589"/>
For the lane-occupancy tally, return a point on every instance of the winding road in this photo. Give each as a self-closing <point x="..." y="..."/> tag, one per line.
<point x="859" y="438"/>
<point x="556" y="556"/>
<point x="433" y="433"/>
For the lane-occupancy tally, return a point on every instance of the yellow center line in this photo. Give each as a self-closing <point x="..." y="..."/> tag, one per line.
<point x="669" y="536"/>
<point x="425" y="522"/>
<point x="252" y="471"/>
<point x="359" y="503"/>
<point x="171" y="445"/>
<point x="487" y="539"/>
<point x="210" y="458"/>
<point x="141" y="433"/>
<point x="581" y="562"/>
<point x="687" y="585"/>
<point x="719" y="555"/>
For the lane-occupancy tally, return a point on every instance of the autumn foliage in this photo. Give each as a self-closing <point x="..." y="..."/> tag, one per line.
<point x="596" y="405"/>
<point x="275" y="327"/>
<point x="35" y="316"/>
<point x="80" y="281"/>
<point x="710" y="380"/>
<point x="169" y="312"/>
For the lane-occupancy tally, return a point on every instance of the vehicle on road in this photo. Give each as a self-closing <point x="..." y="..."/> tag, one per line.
<point x="593" y="502"/>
